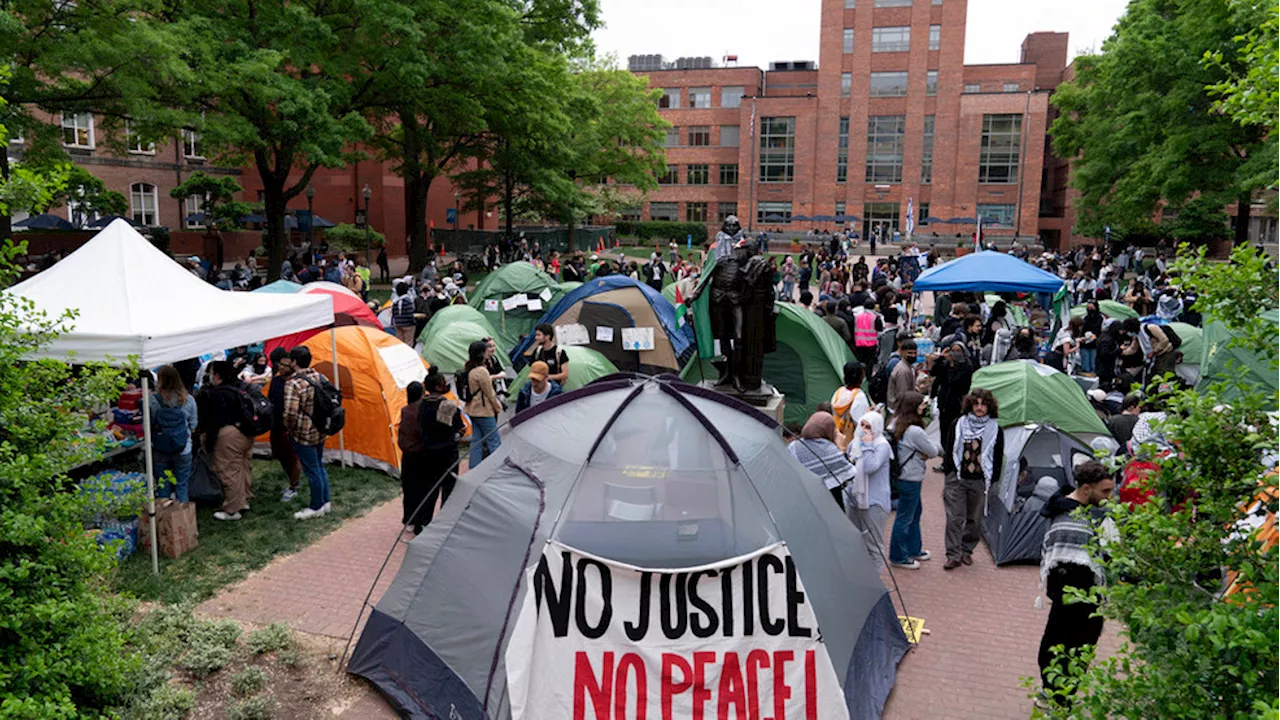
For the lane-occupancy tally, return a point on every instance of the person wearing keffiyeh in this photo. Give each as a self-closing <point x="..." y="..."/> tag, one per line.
<point x="977" y="454"/>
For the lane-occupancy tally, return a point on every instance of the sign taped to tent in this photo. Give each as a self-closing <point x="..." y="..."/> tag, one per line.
<point x="599" y="639"/>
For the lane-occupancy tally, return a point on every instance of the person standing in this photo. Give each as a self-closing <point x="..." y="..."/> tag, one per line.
<point x="977" y="455"/>
<point x="482" y="403"/>
<point x="221" y="411"/>
<point x="174" y="418"/>
<point x="544" y="349"/>
<point x="913" y="448"/>
<point x="901" y="371"/>
<point x="849" y="403"/>
<point x="1065" y="563"/>
<point x="441" y="425"/>
<point x="817" y="450"/>
<point x="866" y="329"/>
<point x="281" y="445"/>
<point x="868" y="499"/>
<point x="538" y="390"/>
<point x="308" y="442"/>
<point x="414" y="483"/>
<point x="402" y="309"/>
<point x="952" y="375"/>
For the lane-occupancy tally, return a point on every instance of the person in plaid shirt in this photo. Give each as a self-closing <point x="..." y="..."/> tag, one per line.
<point x="308" y="443"/>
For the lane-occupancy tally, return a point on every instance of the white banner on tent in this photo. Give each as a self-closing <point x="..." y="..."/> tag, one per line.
<point x="403" y="363"/>
<point x="597" y="639"/>
<point x="572" y="334"/>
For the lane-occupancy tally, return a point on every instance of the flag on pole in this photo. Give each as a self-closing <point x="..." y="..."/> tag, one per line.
<point x="681" y="308"/>
<point x="911" y="216"/>
<point x="977" y="236"/>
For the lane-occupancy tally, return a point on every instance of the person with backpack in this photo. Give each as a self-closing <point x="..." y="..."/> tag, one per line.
<point x="223" y="412"/>
<point x="817" y="450"/>
<point x="977" y="457"/>
<point x="302" y="406"/>
<point x="910" y="447"/>
<point x="440" y="428"/>
<point x="482" y="404"/>
<point x="849" y="403"/>
<point x="887" y="342"/>
<point x="900" y="372"/>
<point x="281" y="445"/>
<point x="403" y="307"/>
<point x="173" y="420"/>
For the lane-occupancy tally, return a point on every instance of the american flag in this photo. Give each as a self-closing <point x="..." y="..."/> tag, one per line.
<point x="911" y="216"/>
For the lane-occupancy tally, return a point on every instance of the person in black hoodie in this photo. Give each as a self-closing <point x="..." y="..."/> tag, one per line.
<point x="1065" y="563"/>
<point x="952" y="375"/>
<point x="281" y="446"/>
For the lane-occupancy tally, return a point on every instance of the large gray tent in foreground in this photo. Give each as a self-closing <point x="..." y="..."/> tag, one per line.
<point x="646" y="471"/>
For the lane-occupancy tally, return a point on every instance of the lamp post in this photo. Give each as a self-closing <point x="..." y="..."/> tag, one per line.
<point x="367" y="192"/>
<point x="311" y="217"/>
<point x="455" y="212"/>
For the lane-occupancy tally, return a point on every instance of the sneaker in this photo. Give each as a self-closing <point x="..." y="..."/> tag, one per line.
<point x="308" y="513"/>
<point x="288" y="495"/>
<point x="226" y="516"/>
<point x="910" y="565"/>
<point x="324" y="510"/>
<point x="924" y="555"/>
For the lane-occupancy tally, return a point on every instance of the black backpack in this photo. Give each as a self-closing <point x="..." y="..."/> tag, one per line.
<point x="461" y="386"/>
<point x="878" y="385"/>
<point x="895" y="467"/>
<point x="326" y="409"/>
<point x="1172" y="336"/>
<point x="255" y="413"/>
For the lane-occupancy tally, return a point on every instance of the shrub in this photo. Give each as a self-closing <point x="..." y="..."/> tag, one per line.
<point x="290" y="658"/>
<point x="258" y="707"/>
<point x="272" y="638"/>
<point x="248" y="681"/>
<point x="164" y="702"/>
<point x="650" y="230"/>
<point x="349" y="238"/>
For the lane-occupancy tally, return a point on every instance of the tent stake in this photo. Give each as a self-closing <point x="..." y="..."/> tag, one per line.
<point x="151" y="487"/>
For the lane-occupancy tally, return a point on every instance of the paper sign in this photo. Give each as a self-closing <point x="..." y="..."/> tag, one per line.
<point x="604" y="334"/>
<point x="599" y="639"/>
<point x="510" y="303"/>
<point x="574" y="334"/>
<point x="545" y="295"/>
<point x="534" y="305"/>
<point x="403" y="363"/>
<point x="637" y="338"/>
<point x="491" y="305"/>
<point x="520" y="299"/>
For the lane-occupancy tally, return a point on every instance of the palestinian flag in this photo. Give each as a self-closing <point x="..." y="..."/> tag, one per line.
<point x="681" y="308"/>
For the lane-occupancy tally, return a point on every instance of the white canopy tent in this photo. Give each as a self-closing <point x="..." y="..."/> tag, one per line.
<point x="133" y="301"/>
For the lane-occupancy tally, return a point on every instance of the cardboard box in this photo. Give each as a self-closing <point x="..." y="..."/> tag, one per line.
<point x="176" y="531"/>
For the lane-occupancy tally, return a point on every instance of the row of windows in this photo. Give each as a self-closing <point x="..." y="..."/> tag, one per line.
<point x="889" y="84"/>
<point x="78" y="132"/>
<point x="693" y="211"/>
<point x="144" y="207"/>
<point x="700" y="174"/>
<point x="700" y="97"/>
<point x="851" y="4"/>
<point x="1009" y="87"/>
<point x="892" y="39"/>
<point x="700" y="136"/>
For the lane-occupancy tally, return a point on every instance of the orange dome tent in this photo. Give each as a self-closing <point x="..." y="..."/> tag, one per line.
<point x="374" y="369"/>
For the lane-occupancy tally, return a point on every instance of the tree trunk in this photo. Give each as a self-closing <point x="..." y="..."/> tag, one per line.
<point x="1243" y="207"/>
<point x="274" y="205"/>
<point x="417" y="185"/>
<point x="6" y="217"/>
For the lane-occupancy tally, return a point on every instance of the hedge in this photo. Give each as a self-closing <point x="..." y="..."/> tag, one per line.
<point x="664" y="230"/>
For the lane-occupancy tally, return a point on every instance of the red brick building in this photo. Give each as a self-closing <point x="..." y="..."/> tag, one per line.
<point x="890" y="115"/>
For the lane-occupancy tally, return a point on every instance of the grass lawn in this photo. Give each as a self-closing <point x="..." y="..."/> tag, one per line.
<point x="228" y="551"/>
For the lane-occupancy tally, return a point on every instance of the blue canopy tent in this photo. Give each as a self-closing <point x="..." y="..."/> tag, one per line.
<point x="824" y="218"/>
<point x="44" y="222"/>
<point x="774" y="218"/>
<point x="105" y="221"/>
<point x="801" y="218"/>
<point x="990" y="271"/>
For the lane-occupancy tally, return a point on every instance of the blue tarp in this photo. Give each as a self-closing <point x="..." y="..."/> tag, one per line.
<point x="988" y="271"/>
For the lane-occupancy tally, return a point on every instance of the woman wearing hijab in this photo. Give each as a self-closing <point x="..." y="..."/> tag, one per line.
<point x="867" y="498"/>
<point x="817" y="451"/>
<point x="978" y="454"/>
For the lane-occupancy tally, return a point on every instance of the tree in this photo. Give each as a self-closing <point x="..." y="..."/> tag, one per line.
<point x="217" y="202"/>
<point x="1140" y="123"/>
<point x="1193" y="647"/>
<point x="1251" y="93"/>
<point x="88" y="196"/>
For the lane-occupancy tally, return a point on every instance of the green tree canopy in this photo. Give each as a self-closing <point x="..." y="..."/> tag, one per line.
<point x="88" y="196"/>
<point x="1141" y="125"/>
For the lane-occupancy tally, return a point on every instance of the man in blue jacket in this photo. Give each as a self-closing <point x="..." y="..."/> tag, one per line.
<point x="539" y="389"/>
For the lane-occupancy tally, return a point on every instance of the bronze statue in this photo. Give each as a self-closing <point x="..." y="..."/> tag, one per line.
<point x="742" y="312"/>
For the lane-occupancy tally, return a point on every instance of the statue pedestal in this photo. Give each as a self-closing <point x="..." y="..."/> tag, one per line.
<point x="769" y="401"/>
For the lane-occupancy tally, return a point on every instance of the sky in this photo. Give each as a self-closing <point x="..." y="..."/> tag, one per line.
<point x="761" y="31"/>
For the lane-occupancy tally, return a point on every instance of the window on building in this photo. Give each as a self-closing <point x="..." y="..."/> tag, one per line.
<point x="135" y="144"/>
<point x="192" y="146"/>
<point x="936" y="2"/>
<point x="77" y="215"/>
<point x="888" y="84"/>
<point x="848" y="40"/>
<point x="891" y="39"/>
<point x="695" y="212"/>
<point x="673" y="137"/>
<point x="77" y="130"/>
<point x="777" y="149"/>
<point x="670" y="98"/>
<point x="731" y="97"/>
<point x="729" y="136"/>
<point x="997" y="215"/>
<point x="699" y="135"/>
<point x="698" y="174"/>
<point x="893" y="3"/>
<point x="700" y="97"/>
<point x="846" y="84"/>
<point x="970" y="88"/>
<point x="192" y="206"/>
<point x="671" y="176"/>
<point x="1001" y="149"/>
<point x="935" y="37"/>
<point x="632" y="213"/>
<point x="884" y="148"/>
<point x="729" y="174"/>
<point x="840" y="208"/>
<point x="926" y="152"/>
<point x="142" y="198"/>
<point x="725" y="209"/>
<point x="850" y="4"/>
<point x="1012" y="87"/>
<point x="923" y="214"/>
<point x="931" y="83"/>
<point x="882" y="216"/>
<point x="773" y="211"/>
<point x="663" y="211"/>
<point x="842" y="152"/>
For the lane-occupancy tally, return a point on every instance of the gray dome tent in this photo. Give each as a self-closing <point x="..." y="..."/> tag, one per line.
<point x="650" y="472"/>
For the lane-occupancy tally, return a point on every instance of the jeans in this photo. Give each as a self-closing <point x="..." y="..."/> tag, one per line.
<point x="788" y="291"/>
<point x="180" y="465"/>
<point x="904" y="541"/>
<point x="312" y="459"/>
<point x="485" y="439"/>
<point x="1088" y="359"/>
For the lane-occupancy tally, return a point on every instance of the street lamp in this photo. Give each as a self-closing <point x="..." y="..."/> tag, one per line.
<point x="311" y="217"/>
<point x="367" y="192"/>
<point x="455" y="212"/>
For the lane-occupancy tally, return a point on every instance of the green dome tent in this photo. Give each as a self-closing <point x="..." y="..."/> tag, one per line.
<point x="513" y="279"/>
<point x="1109" y="308"/>
<point x="1192" y="347"/>
<point x="807" y="367"/>
<point x="1029" y="392"/>
<point x="669" y="292"/>
<point x="565" y="288"/>
<point x="450" y="331"/>
<point x="585" y="365"/>
<point x="1219" y="362"/>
